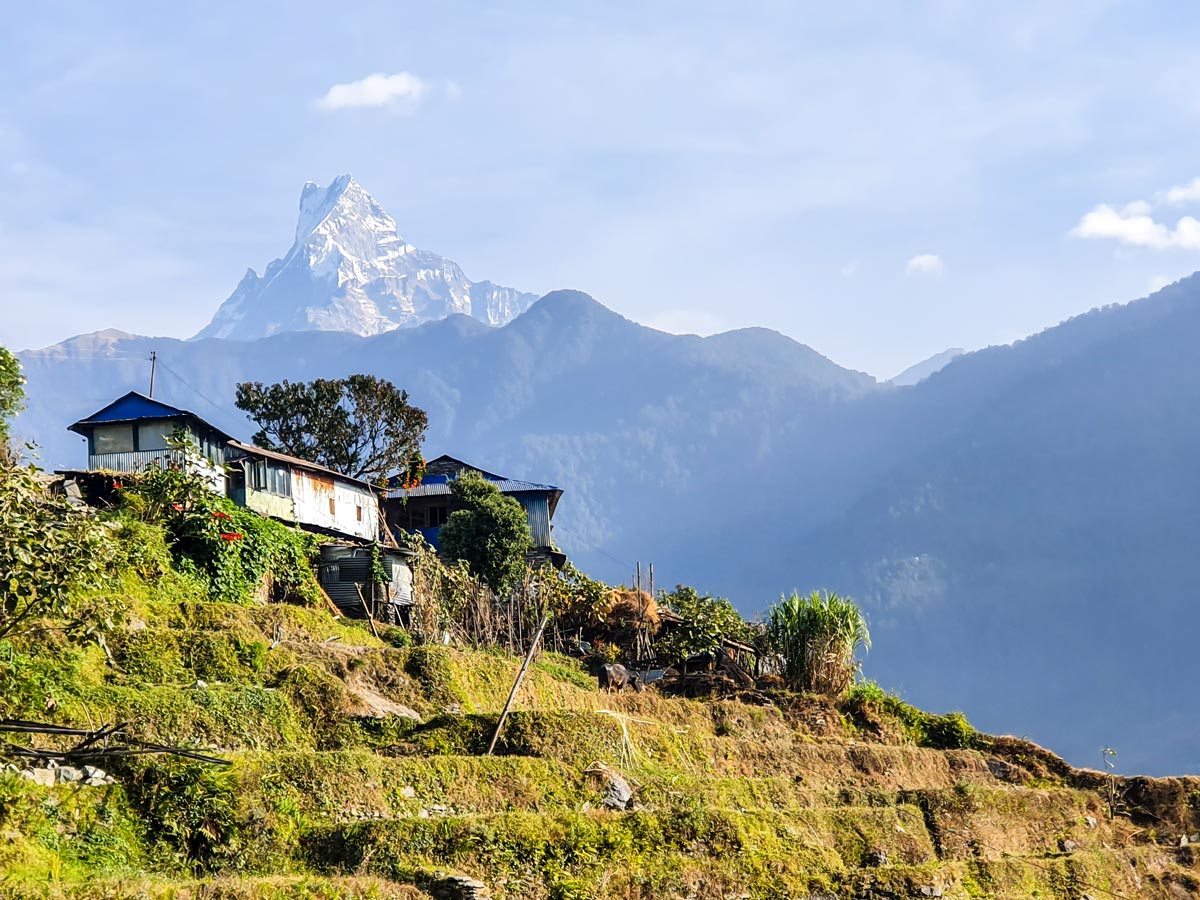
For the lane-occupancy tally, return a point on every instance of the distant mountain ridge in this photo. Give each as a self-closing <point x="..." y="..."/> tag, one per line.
<point x="350" y="270"/>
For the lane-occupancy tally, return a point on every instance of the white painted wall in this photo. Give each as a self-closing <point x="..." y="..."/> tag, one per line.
<point x="355" y="509"/>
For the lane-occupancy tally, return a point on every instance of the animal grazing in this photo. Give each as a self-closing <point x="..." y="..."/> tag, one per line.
<point x="617" y="677"/>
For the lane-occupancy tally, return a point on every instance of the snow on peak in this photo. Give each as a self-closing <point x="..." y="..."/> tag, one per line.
<point x="350" y="270"/>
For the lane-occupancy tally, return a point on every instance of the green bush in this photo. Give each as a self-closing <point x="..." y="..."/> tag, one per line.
<point x="235" y="552"/>
<point x="707" y="621"/>
<point x="191" y="809"/>
<point x="487" y="530"/>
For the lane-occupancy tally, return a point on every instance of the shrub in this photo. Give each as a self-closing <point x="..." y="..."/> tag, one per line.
<point x="818" y="637"/>
<point x="51" y="554"/>
<point x="488" y="531"/>
<point x="235" y="552"/>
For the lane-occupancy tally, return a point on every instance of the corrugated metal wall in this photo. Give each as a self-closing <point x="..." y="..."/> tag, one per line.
<point x="346" y="570"/>
<point x="537" y="510"/>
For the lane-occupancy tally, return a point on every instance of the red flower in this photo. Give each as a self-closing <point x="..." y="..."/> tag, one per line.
<point x="231" y="535"/>
<point x="221" y="515"/>
<point x="117" y="485"/>
<point x="178" y="507"/>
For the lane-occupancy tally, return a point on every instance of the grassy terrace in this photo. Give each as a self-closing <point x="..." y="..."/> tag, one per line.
<point x="357" y="771"/>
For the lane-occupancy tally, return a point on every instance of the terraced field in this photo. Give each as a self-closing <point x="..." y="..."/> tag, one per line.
<point x="357" y="770"/>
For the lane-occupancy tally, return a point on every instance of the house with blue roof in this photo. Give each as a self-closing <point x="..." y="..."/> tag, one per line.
<point x="426" y="507"/>
<point x="135" y="431"/>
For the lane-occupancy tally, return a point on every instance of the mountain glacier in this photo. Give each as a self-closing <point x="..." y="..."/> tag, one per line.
<point x="350" y="270"/>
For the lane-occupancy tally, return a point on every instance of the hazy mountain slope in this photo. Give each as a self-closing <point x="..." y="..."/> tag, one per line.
<point x="918" y="372"/>
<point x="350" y="270"/>
<point x="1025" y="541"/>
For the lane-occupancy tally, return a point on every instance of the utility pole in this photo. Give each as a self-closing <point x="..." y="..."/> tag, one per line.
<point x="153" y="367"/>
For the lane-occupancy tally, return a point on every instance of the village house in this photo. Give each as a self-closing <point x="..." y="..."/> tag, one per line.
<point x="426" y="507"/>
<point x="135" y="431"/>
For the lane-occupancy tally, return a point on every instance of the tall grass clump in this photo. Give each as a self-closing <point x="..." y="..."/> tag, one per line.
<point x="817" y="638"/>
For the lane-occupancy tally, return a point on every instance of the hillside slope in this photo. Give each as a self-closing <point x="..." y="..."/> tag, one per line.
<point x="357" y="768"/>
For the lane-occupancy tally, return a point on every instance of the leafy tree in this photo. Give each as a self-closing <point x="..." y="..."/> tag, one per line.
<point x="362" y="426"/>
<point x="818" y="637"/>
<point x="12" y="391"/>
<point x="487" y="530"/>
<point x="707" y="621"/>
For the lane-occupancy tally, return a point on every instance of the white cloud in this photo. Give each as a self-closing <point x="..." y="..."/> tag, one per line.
<point x="1158" y="282"/>
<point x="1133" y="225"/>
<point x="404" y="90"/>
<point x="1183" y="193"/>
<point x="926" y="263"/>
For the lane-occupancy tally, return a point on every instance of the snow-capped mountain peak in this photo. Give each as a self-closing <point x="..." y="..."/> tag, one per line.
<point x="349" y="269"/>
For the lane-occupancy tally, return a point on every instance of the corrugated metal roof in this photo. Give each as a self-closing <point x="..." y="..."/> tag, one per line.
<point x="134" y="406"/>
<point x="251" y="450"/>
<point x="437" y="485"/>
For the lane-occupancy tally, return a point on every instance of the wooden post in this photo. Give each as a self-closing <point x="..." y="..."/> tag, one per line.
<point x="516" y="684"/>
<point x="367" y="610"/>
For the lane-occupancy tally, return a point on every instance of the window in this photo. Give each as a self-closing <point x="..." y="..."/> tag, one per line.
<point x="437" y="516"/>
<point x="358" y="513"/>
<point x="332" y="510"/>
<point x="112" y="439"/>
<point x="153" y="435"/>
<point x="270" y="478"/>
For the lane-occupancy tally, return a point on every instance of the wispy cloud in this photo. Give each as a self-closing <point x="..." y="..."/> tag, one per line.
<point x="1183" y="193"/>
<point x="925" y="264"/>
<point x="402" y="90"/>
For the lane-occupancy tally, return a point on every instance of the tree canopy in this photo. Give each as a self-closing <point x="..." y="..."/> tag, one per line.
<point x="12" y="391"/>
<point x="487" y="530"/>
<point x="362" y="426"/>
<point x="707" y="621"/>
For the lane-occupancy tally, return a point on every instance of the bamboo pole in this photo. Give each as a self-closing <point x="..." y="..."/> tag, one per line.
<point x="516" y="684"/>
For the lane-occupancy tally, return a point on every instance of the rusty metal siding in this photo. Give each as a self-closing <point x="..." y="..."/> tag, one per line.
<point x="342" y="507"/>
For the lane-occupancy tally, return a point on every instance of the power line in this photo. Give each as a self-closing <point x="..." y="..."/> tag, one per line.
<point x="627" y="566"/>
<point x="199" y="393"/>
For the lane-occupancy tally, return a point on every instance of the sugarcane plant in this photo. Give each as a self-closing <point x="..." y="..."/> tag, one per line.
<point x="818" y="637"/>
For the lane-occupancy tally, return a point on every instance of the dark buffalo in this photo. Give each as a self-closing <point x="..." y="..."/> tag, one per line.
<point x="702" y="662"/>
<point x="616" y="678"/>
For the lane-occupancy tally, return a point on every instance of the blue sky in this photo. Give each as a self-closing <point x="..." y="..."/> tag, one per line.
<point x="878" y="180"/>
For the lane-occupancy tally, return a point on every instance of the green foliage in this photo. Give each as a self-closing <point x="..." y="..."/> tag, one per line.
<point x="868" y="704"/>
<point x="430" y="667"/>
<point x="192" y="809"/>
<point x="362" y="426"/>
<point x="12" y="391"/>
<point x="50" y="554"/>
<point x="235" y="552"/>
<point x="488" y="531"/>
<point x="818" y="637"/>
<point x="707" y="621"/>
